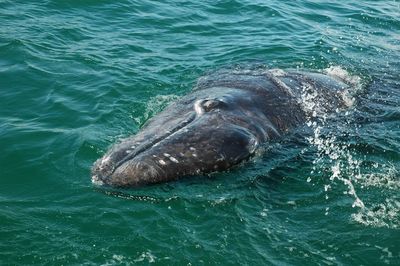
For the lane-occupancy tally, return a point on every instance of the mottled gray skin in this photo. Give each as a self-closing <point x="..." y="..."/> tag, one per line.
<point x="222" y="122"/>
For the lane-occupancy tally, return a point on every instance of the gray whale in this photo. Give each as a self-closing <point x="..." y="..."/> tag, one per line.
<point x="223" y="121"/>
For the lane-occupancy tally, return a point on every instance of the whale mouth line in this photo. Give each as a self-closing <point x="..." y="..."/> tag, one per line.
<point x="155" y="141"/>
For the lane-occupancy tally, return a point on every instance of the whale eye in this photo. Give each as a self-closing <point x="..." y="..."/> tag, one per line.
<point x="211" y="104"/>
<point x="207" y="105"/>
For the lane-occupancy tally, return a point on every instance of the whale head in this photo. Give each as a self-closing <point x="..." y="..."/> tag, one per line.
<point x="206" y="131"/>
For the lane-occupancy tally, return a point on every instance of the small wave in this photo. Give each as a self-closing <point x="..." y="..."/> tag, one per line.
<point x="355" y="83"/>
<point x="343" y="75"/>
<point x="154" y="106"/>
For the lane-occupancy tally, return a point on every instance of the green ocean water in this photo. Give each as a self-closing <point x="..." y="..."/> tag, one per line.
<point x="77" y="76"/>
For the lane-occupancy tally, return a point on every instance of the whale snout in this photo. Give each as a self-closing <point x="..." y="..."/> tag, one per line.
<point x="132" y="173"/>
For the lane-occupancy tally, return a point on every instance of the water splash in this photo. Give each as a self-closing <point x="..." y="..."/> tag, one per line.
<point x="341" y="163"/>
<point x="386" y="214"/>
<point x="381" y="176"/>
<point x="331" y="154"/>
<point x="385" y="177"/>
<point x="146" y="256"/>
<point x="338" y="159"/>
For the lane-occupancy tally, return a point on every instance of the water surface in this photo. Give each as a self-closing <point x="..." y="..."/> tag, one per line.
<point x="76" y="76"/>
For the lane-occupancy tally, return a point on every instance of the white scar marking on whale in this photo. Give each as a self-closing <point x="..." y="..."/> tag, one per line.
<point x="173" y="159"/>
<point x="162" y="162"/>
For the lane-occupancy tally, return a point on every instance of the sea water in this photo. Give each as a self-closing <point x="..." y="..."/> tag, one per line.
<point x="77" y="76"/>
